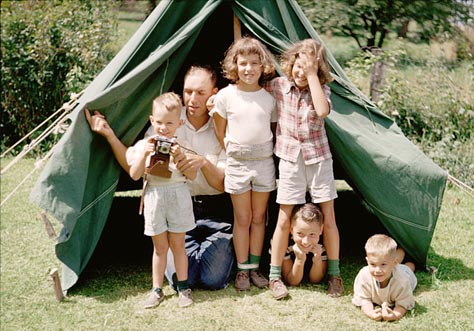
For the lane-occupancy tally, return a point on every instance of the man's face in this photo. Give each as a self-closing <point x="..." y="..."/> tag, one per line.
<point x="197" y="89"/>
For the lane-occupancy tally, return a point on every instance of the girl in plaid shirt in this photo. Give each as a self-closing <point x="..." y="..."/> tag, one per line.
<point x="305" y="159"/>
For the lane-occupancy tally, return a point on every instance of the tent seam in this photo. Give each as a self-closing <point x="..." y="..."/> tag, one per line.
<point x="100" y="197"/>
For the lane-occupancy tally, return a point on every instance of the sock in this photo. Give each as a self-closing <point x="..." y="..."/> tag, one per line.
<point x="254" y="259"/>
<point x="156" y="289"/>
<point x="243" y="266"/>
<point x="275" y="272"/>
<point x="333" y="268"/>
<point x="183" y="285"/>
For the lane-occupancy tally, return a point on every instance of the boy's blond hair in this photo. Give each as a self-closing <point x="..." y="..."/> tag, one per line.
<point x="312" y="48"/>
<point x="381" y="245"/>
<point x="247" y="46"/>
<point x="169" y="101"/>
<point x="308" y="213"/>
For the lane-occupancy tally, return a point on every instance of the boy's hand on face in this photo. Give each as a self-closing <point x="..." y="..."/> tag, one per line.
<point x="317" y="250"/>
<point x="300" y="254"/>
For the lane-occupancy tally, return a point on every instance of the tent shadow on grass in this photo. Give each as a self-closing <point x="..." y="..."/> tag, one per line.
<point x="123" y="243"/>
<point x="125" y="252"/>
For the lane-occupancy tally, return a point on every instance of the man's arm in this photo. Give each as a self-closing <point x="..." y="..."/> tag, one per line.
<point x="99" y="124"/>
<point x="214" y="175"/>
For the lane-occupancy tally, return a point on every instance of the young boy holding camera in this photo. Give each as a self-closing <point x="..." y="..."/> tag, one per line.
<point x="168" y="209"/>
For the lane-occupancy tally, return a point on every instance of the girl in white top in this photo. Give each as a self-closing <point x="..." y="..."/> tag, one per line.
<point x="243" y="112"/>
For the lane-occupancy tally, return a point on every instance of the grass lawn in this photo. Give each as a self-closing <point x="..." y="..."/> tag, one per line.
<point x="111" y="299"/>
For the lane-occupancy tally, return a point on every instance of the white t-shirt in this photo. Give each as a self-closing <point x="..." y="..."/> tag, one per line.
<point x="248" y="115"/>
<point x="399" y="290"/>
<point x="203" y="142"/>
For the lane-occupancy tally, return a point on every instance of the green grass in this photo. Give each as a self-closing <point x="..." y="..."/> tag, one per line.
<point x="111" y="299"/>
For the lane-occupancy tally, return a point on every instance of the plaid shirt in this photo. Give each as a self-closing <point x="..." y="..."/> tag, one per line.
<point x="299" y="128"/>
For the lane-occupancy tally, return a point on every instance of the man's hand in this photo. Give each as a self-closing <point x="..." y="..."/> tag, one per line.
<point x="188" y="164"/>
<point x="99" y="124"/>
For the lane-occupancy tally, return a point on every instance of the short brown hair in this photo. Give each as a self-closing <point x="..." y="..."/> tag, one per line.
<point x="246" y="46"/>
<point x="313" y="48"/>
<point x="308" y="212"/>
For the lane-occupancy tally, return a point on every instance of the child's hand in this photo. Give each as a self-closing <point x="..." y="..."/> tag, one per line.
<point x="310" y="63"/>
<point x="300" y="254"/>
<point x="389" y="314"/>
<point x="376" y="314"/>
<point x="149" y="146"/>
<point x="317" y="250"/>
<point x="210" y="102"/>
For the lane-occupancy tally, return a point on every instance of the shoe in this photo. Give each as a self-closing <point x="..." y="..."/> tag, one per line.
<point x="242" y="281"/>
<point x="335" y="286"/>
<point x="185" y="298"/>
<point x="154" y="299"/>
<point x="278" y="289"/>
<point x="258" y="279"/>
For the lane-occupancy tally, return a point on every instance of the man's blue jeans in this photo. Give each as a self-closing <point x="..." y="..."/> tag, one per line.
<point x="208" y="246"/>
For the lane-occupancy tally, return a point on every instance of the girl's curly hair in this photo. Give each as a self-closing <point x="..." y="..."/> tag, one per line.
<point x="246" y="46"/>
<point x="312" y="48"/>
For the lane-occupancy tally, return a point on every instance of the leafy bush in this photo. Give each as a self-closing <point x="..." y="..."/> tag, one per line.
<point x="50" y="49"/>
<point x="433" y="104"/>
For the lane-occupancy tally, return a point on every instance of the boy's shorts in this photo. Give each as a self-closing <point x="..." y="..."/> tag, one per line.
<point x="168" y="208"/>
<point x="249" y="167"/>
<point x="296" y="178"/>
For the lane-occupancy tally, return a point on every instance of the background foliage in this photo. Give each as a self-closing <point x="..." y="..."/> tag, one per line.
<point x="50" y="49"/>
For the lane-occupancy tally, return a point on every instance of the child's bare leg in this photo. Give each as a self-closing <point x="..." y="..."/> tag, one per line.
<point x="257" y="227"/>
<point x="160" y="251"/>
<point x="177" y="246"/>
<point x="279" y="246"/>
<point x="400" y="255"/>
<point x="242" y="205"/>
<point x="331" y="243"/>
<point x="281" y="235"/>
<point x="242" y="218"/>
<point x="330" y="232"/>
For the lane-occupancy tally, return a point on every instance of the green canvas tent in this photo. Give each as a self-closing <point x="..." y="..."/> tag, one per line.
<point x="397" y="183"/>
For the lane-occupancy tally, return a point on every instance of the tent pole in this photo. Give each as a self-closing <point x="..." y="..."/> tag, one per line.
<point x="237" y="28"/>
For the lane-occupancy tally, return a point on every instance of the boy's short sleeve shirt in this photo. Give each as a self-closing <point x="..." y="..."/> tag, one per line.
<point x="299" y="128"/>
<point x="398" y="292"/>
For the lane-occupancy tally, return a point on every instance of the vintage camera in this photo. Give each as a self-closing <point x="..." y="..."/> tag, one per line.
<point x="163" y="144"/>
<point x="159" y="161"/>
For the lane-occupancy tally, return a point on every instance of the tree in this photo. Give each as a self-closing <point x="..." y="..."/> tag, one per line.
<point x="369" y="21"/>
<point x="49" y="49"/>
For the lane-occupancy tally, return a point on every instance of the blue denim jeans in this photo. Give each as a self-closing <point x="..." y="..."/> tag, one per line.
<point x="209" y="245"/>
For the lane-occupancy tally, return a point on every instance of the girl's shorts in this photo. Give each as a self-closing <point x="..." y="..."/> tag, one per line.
<point x="168" y="208"/>
<point x="249" y="167"/>
<point x="296" y="178"/>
